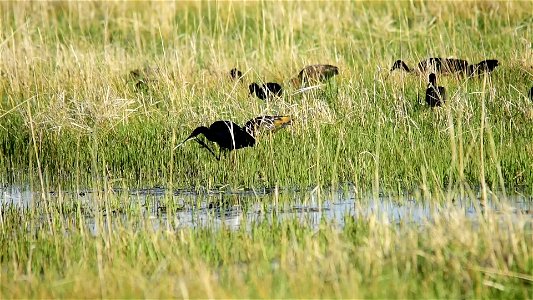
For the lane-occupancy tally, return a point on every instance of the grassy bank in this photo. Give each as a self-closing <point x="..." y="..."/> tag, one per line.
<point x="70" y="111"/>
<point x="57" y="249"/>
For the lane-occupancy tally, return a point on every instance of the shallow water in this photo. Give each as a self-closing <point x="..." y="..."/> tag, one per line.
<point x="187" y="208"/>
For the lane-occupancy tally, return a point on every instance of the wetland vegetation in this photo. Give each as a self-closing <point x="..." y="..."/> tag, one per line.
<point x="76" y="121"/>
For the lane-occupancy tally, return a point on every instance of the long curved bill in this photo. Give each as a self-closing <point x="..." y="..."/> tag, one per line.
<point x="180" y="144"/>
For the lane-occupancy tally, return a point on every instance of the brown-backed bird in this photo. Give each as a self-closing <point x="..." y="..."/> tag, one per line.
<point x="230" y="136"/>
<point x="314" y="74"/>
<point x="435" y="95"/>
<point x="434" y="64"/>
<point x="266" y="123"/>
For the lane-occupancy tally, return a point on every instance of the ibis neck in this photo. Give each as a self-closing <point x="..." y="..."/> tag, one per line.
<point x="199" y="130"/>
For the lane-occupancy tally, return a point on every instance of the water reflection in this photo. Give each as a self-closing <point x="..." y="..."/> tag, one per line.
<point x="166" y="209"/>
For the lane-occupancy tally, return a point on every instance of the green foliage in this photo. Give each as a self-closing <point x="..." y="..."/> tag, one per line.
<point x="72" y="117"/>
<point x="77" y="94"/>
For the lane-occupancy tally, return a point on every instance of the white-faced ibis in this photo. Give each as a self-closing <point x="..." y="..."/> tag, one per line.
<point x="434" y="64"/>
<point x="266" y="91"/>
<point x="235" y="74"/>
<point x="230" y="136"/>
<point x="314" y="74"/>
<point x="484" y="66"/>
<point x="435" y="95"/>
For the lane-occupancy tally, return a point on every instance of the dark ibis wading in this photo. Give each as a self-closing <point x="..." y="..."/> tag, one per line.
<point x="435" y="95"/>
<point x="230" y="136"/>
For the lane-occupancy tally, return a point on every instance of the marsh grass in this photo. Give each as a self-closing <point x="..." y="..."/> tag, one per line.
<point x="72" y="119"/>
<point x="65" y="70"/>
<point x="98" y="250"/>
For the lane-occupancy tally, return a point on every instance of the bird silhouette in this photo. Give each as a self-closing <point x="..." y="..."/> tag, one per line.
<point x="230" y="136"/>
<point x="435" y="95"/>
<point x="235" y="74"/>
<point x="314" y="74"/>
<point x="434" y="64"/>
<point x="531" y="94"/>
<point x="484" y="66"/>
<point x="266" y="91"/>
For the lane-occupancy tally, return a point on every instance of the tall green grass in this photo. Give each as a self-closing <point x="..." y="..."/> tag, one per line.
<point x="65" y="72"/>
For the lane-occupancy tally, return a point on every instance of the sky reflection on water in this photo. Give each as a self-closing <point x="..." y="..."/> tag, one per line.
<point x="234" y="209"/>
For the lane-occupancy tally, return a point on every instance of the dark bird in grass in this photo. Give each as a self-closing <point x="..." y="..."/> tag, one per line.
<point x="145" y="74"/>
<point x="435" y="95"/>
<point x="531" y="94"/>
<point x="230" y="136"/>
<point x="434" y="64"/>
<point x="235" y="74"/>
<point x="484" y="66"/>
<point x="314" y="74"/>
<point x="266" y="91"/>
